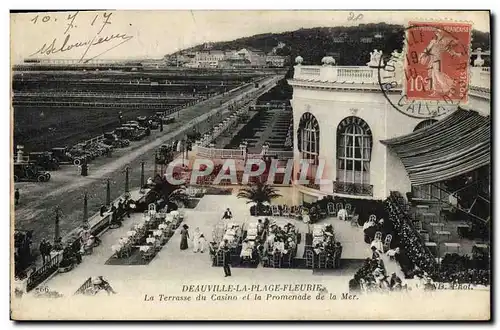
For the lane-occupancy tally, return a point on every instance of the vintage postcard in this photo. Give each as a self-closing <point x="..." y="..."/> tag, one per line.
<point x="251" y="165"/>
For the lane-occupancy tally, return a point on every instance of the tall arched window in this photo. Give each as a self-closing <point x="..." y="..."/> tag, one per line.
<point x="308" y="137"/>
<point x="354" y="146"/>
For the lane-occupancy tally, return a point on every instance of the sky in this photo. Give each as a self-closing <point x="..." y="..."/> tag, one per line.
<point x="153" y="34"/>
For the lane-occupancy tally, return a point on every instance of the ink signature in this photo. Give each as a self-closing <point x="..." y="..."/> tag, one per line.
<point x="67" y="44"/>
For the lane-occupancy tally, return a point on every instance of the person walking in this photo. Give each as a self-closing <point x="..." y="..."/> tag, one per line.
<point x="16" y="196"/>
<point x="196" y="240"/>
<point x="184" y="237"/>
<point x="43" y="249"/>
<point x="227" y="259"/>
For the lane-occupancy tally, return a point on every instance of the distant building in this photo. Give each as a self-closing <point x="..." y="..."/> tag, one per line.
<point x="276" y="61"/>
<point x="257" y="58"/>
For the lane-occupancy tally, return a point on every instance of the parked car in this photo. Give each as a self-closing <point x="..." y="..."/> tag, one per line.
<point x="30" y="172"/>
<point x="62" y="155"/>
<point x="45" y="160"/>
<point x="110" y="138"/>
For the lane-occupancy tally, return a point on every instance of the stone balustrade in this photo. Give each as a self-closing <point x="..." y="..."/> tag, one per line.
<point x="479" y="76"/>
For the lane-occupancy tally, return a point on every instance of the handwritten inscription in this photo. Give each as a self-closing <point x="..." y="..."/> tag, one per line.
<point x="66" y="43"/>
<point x="354" y="17"/>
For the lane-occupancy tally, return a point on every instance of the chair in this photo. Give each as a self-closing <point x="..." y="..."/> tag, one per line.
<point x="286" y="211"/>
<point x="220" y="258"/>
<point x="372" y="217"/>
<point x="378" y="235"/>
<point x="276" y="262"/>
<point x="288" y="260"/>
<point x="275" y="210"/>
<point x="309" y="259"/>
<point x="292" y="212"/>
<point x="330" y="263"/>
<point x="322" y="260"/>
<point x="348" y="208"/>
<point x="387" y="242"/>
<point x="322" y="213"/>
<point x="354" y="220"/>
<point x="330" y="207"/>
<point x="338" y="207"/>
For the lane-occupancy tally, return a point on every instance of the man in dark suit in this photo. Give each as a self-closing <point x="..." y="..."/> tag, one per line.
<point x="227" y="258"/>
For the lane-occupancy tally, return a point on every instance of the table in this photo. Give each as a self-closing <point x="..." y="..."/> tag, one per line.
<point x="452" y="246"/>
<point x="145" y="248"/>
<point x="139" y="226"/>
<point x="157" y="233"/>
<point x="463" y="230"/>
<point x="150" y="240"/>
<point x="163" y="226"/>
<point x="443" y="233"/>
<point x="428" y="215"/>
<point x="439" y="225"/>
<point x="131" y="233"/>
<point x="432" y="246"/>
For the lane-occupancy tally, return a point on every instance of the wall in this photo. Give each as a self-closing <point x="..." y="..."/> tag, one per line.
<point x="330" y="107"/>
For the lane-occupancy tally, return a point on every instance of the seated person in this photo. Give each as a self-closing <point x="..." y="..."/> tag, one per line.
<point x="328" y="229"/>
<point x="291" y="244"/>
<point x="375" y="254"/>
<point x="260" y="227"/>
<point x="227" y="214"/>
<point x="318" y="248"/>
<point x="342" y="214"/>
<point x="280" y="246"/>
<point x="354" y="284"/>
<point x="103" y="210"/>
<point x="246" y="249"/>
<point x="393" y="253"/>
<point x="378" y="245"/>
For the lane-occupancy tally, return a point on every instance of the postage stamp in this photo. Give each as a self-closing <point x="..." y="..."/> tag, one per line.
<point x="437" y="58"/>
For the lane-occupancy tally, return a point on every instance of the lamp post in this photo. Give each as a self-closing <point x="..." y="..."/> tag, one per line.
<point x="85" y="210"/>
<point x="126" y="180"/>
<point x="108" y="192"/>
<point x="142" y="176"/>
<point x="56" y="227"/>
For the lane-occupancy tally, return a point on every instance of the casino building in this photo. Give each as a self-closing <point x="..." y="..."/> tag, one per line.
<point x="372" y="143"/>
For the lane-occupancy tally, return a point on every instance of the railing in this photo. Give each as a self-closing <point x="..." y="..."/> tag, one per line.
<point x="344" y="74"/>
<point x="281" y="155"/>
<point x="480" y="76"/>
<point x="87" y="284"/>
<point x="220" y="153"/>
<point x="42" y="273"/>
<point x="349" y="188"/>
<point x="135" y="95"/>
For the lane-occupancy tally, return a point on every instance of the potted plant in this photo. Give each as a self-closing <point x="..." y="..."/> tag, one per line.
<point x="258" y="193"/>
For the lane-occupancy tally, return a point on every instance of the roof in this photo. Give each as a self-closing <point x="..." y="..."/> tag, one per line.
<point x="453" y="146"/>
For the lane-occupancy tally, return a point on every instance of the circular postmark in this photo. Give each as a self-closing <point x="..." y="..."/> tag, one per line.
<point x="432" y="73"/>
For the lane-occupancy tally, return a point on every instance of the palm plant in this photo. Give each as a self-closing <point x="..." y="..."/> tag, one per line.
<point x="173" y="195"/>
<point x="258" y="193"/>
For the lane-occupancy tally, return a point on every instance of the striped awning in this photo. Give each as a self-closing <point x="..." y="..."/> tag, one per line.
<point x="455" y="145"/>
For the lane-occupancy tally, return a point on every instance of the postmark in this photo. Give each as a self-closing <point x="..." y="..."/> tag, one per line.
<point x="432" y="72"/>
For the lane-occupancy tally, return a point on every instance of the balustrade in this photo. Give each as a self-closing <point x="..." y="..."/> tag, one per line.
<point x="349" y="188"/>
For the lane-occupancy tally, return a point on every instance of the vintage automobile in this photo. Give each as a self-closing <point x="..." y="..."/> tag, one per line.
<point x="110" y="138"/>
<point x="62" y="155"/>
<point x="148" y="122"/>
<point x="45" y="160"/>
<point x="30" y="172"/>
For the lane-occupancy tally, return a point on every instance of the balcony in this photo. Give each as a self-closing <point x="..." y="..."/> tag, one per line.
<point x="348" y="188"/>
<point x="365" y="77"/>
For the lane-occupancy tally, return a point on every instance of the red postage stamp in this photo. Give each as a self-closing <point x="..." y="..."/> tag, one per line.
<point x="437" y="61"/>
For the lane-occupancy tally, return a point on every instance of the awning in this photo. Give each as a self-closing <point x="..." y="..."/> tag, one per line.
<point x="455" y="145"/>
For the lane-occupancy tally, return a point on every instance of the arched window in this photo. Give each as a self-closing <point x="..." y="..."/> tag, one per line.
<point x="424" y="124"/>
<point x="354" y="146"/>
<point x="308" y="137"/>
